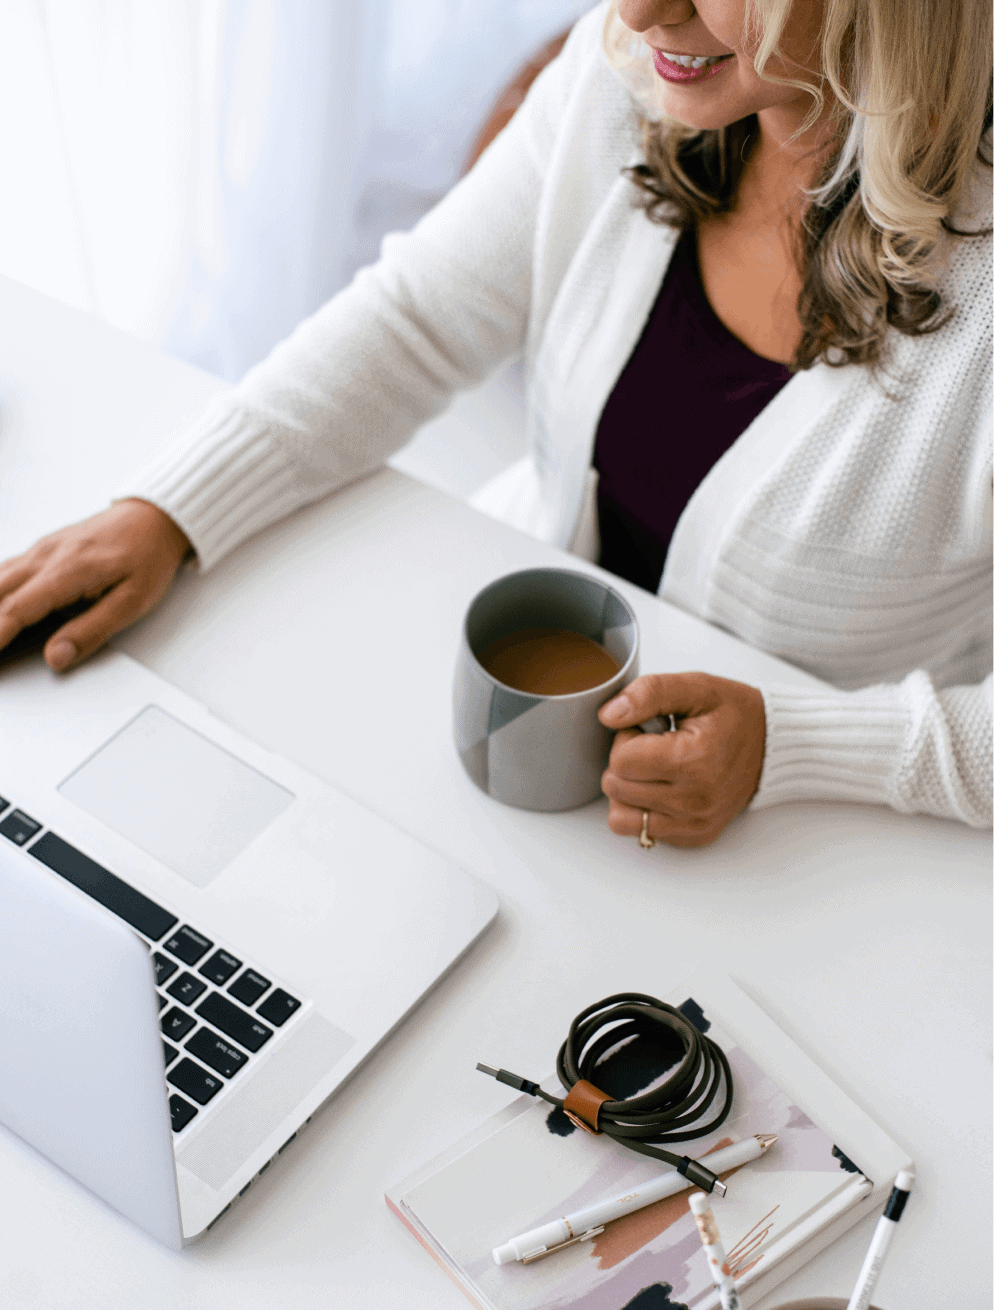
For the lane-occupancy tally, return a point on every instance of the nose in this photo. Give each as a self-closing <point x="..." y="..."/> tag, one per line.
<point x="640" y="15"/>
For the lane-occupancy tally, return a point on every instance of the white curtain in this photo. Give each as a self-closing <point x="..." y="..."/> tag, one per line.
<point x="204" y="173"/>
<point x="442" y="66"/>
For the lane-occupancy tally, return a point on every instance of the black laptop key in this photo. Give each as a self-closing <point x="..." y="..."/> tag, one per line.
<point x="193" y="1080"/>
<point x="278" y="1007"/>
<point x="249" y="987"/>
<point x="220" y="967"/>
<point x="104" y="886"/>
<point x="239" y="1026"/>
<point x="169" y="1052"/>
<point x="177" y="1023"/>
<point x="162" y="1002"/>
<point x="186" y="988"/>
<point x="216" y="1052"/>
<point x="164" y="968"/>
<point x="188" y="945"/>
<point x="3" y="803"/>
<point x="181" y="1112"/>
<point x="19" y="828"/>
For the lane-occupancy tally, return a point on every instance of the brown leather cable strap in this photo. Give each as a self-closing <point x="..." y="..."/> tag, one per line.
<point x="693" y="1099"/>
<point x="583" y="1105"/>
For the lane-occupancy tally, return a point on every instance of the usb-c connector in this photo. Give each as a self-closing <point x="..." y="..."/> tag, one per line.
<point x="699" y="1176"/>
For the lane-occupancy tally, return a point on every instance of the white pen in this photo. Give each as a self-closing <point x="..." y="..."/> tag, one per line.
<point x="715" y="1252"/>
<point x="584" y="1224"/>
<point x="886" y="1225"/>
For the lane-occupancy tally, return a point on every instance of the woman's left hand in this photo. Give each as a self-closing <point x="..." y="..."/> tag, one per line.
<point x="694" y="781"/>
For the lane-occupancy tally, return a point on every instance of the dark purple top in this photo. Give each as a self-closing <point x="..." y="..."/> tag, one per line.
<point x="688" y="391"/>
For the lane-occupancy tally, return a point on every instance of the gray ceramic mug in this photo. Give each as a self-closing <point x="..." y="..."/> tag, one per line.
<point x="540" y="752"/>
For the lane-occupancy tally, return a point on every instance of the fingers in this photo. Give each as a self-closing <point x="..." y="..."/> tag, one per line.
<point x="672" y="799"/>
<point x="691" y="782"/>
<point x="648" y="757"/>
<point x="13" y="573"/>
<point x="639" y="765"/>
<point x="124" y="558"/>
<point x="658" y="693"/>
<point x="41" y="593"/>
<point x="674" y="830"/>
<point x="85" y="634"/>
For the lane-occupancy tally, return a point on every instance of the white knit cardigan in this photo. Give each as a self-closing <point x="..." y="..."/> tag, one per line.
<point x="848" y="530"/>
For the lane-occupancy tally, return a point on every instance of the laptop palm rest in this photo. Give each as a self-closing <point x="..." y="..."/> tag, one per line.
<point x="252" y="1113"/>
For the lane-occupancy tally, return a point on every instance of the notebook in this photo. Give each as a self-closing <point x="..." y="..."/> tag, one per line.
<point x="528" y="1165"/>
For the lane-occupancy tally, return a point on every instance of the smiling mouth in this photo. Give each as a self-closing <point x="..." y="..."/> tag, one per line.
<point x="693" y="61"/>
<point x="687" y="68"/>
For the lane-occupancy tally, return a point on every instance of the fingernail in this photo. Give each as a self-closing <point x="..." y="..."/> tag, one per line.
<point x="619" y="708"/>
<point x="62" y="654"/>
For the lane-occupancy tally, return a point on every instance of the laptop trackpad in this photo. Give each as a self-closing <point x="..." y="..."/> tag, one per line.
<point x="176" y="794"/>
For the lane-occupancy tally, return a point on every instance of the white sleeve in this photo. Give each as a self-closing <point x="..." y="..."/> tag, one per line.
<point x="441" y="309"/>
<point x="904" y="744"/>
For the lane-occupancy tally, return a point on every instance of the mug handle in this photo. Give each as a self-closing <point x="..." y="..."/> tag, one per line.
<point x="659" y="723"/>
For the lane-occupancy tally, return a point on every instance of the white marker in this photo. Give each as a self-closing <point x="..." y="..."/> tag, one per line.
<point x="715" y="1252"/>
<point x="886" y="1225"/>
<point x="584" y="1224"/>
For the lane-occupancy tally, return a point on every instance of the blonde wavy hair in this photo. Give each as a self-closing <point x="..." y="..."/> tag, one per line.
<point x="910" y="92"/>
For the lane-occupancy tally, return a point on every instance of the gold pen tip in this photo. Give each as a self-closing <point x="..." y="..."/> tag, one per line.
<point x="766" y="1140"/>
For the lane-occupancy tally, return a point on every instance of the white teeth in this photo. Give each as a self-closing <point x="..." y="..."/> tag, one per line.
<point x="692" y="61"/>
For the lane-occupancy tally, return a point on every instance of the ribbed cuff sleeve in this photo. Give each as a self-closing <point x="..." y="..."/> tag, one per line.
<point x="223" y="480"/>
<point x="833" y="745"/>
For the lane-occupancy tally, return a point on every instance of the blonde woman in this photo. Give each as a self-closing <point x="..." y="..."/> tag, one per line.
<point x="743" y="248"/>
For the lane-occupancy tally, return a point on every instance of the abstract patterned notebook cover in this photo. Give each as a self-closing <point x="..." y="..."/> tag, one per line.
<point x="536" y="1166"/>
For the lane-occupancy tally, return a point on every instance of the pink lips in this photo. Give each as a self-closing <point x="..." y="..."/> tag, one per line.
<point x="671" y="72"/>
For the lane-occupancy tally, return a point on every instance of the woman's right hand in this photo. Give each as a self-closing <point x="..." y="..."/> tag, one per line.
<point x="123" y="559"/>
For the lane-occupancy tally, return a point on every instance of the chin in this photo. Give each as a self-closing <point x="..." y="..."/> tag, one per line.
<point x="701" y="119"/>
<point x="696" y="109"/>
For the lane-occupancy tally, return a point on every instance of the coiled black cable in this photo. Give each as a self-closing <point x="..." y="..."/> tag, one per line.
<point x="693" y="1100"/>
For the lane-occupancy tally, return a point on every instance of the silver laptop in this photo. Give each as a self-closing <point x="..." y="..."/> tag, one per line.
<point x="198" y="941"/>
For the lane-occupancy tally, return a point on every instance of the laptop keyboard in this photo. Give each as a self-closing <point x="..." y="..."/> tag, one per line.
<point x="216" y="1010"/>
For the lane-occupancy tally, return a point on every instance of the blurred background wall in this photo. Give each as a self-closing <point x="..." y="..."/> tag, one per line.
<point x="204" y="173"/>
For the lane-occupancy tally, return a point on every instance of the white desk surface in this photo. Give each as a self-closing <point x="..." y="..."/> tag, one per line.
<point x="331" y="638"/>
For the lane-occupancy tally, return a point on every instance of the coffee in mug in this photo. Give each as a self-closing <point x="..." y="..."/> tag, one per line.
<point x="541" y="652"/>
<point x="548" y="661"/>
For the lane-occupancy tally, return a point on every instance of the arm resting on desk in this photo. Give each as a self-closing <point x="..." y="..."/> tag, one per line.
<point x="904" y="744"/>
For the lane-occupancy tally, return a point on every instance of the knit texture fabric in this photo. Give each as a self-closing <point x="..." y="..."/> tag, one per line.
<point x="848" y="530"/>
<point x="901" y="745"/>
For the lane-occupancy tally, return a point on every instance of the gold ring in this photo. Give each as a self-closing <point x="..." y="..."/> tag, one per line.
<point x="645" y="841"/>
